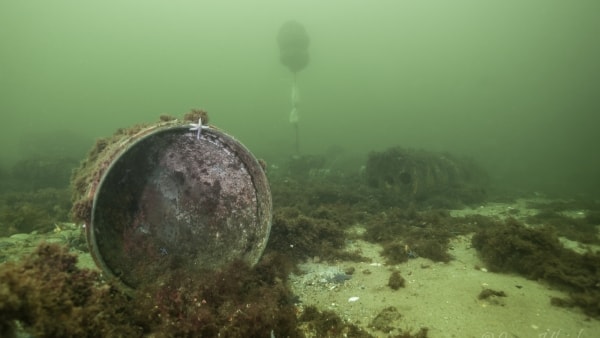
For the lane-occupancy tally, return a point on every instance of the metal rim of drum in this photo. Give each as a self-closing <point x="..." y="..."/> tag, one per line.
<point x="173" y="201"/>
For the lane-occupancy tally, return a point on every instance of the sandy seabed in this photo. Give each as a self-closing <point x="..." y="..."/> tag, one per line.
<point x="443" y="296"/>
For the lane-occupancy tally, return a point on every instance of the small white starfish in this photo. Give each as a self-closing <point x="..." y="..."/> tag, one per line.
<point x="198" y="127"/>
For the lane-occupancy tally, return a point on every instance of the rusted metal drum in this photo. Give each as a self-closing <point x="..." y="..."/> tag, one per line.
<point x="167" y="198"/>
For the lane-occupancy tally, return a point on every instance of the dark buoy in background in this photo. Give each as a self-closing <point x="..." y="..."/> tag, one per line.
<point x="293" y="44"/>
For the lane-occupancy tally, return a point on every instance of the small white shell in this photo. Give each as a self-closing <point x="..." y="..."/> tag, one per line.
<point x="353" y="299"/>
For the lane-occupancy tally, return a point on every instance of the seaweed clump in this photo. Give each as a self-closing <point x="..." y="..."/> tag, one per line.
<point x="408" y="233"/>
<point x="383" y="322"/>
<point x="300" y="236"/>
<point x="195" y="114"/>
<point x="582" y="230"/>
<point x="236" y="301"/>
<point x="487" y="293"/>
<point x="50" y="296"/>
<point x="384" y="319"/>
<point x="492" y="296"/>
<point x="396" y="281"/>
<point x="328" y="324"/>
<point x="24" y="212"/>
<point x="538" y="254"/>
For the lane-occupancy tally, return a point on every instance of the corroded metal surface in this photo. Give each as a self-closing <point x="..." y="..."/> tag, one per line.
<point x="171" y="201"/>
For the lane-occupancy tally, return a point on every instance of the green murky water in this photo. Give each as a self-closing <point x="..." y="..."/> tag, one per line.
<point x="513" y="84"/>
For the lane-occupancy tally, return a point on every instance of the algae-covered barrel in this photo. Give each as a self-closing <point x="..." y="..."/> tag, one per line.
<point x="163" y="197"/>
<point x="405" y="175"/>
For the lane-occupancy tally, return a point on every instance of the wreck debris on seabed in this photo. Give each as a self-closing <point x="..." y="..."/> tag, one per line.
<point x="349" y="250"/>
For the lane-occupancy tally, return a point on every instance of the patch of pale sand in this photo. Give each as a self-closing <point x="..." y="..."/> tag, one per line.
<point x="442" y="297"/>
<point x="578" y="247"/>
<point x="518" y="209"/>
<point x="85" y="261"/>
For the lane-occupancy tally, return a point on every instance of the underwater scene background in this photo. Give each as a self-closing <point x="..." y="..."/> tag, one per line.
<point x="511" y="83"/>
<point x="433" y="165"/>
